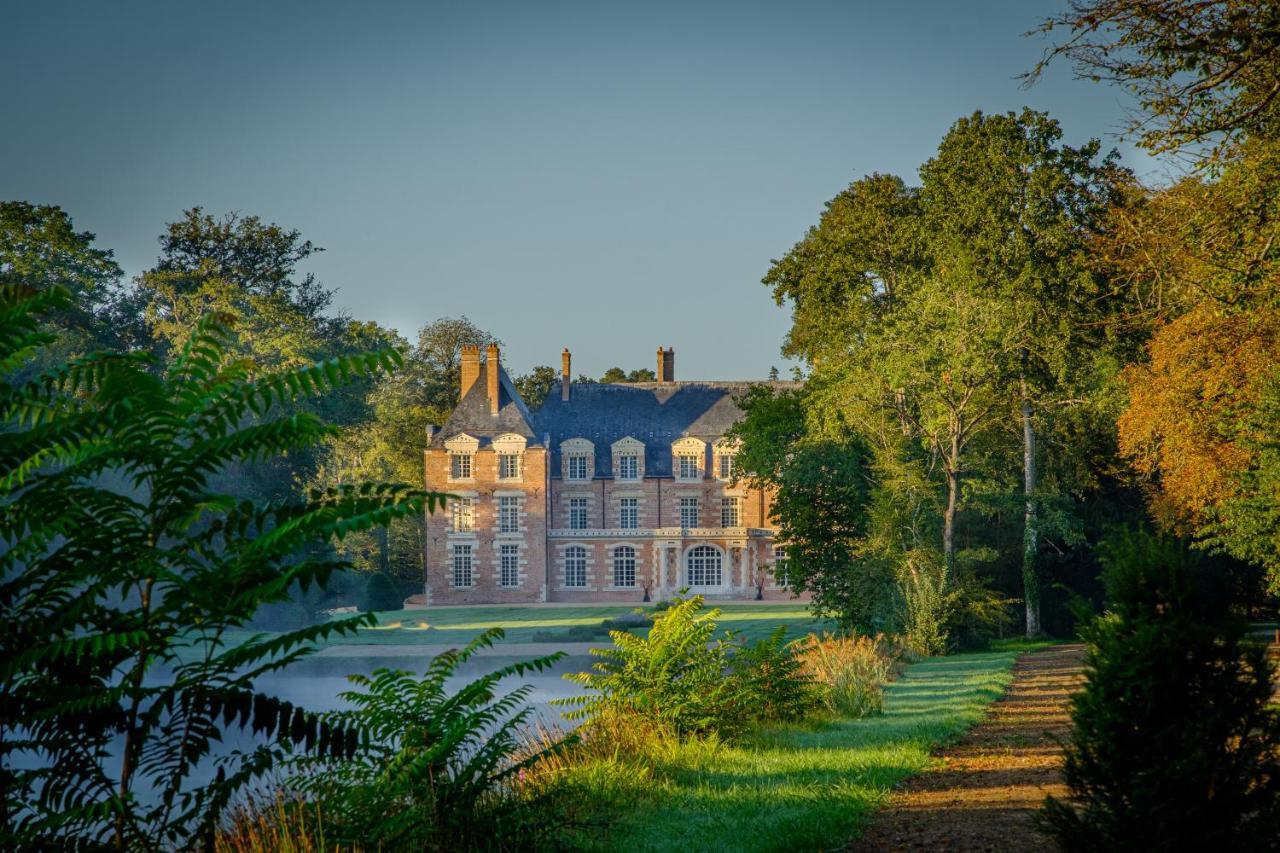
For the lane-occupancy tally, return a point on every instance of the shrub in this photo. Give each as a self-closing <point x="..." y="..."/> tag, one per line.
<point x="1173" y="746"/>
<point x="675" y="676"/>
<point x="852" y="671"/>
<point x="380" y="593"/>
<point x="435" y="769"/>
<point x="777" y="686"/>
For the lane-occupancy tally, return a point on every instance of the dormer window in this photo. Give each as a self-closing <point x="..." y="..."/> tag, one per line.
<point x="578" y="455"/>
<point x="688" y="457"/>
<point x="726" y="458"/>
<point x="628" y="459"/>
<point x="629" y="467"/>
<point x="460" y="466"/>
<point x="510" y="450"/>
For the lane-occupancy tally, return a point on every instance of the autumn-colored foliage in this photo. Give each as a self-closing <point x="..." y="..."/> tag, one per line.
<point x="1186" y="425"/>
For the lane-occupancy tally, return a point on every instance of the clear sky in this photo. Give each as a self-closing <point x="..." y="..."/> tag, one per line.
<point x="605" y="176"/>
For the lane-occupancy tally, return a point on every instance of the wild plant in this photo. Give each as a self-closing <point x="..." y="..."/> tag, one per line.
<point x="850" y="670"/>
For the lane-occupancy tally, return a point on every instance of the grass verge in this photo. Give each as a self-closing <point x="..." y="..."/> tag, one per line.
<point x="785" y="788"/>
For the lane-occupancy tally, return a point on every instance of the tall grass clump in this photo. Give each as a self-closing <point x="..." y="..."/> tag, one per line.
<point x="851" y="671"/>
<point x="279" y="825"/>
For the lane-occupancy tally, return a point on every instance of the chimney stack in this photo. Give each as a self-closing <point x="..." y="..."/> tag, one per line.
<point x="491" y="373"/>
<point x="470" y="368"/>
<point x="666" y="365"/>
<point x="565" y="380"/>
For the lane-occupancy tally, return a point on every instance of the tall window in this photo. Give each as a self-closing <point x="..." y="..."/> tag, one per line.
<point x="628" y="467"/>
<point x="688" y="512"/>
<point x="629" y="513"/>
<point x="575" y="566"/>
<point x="779" y="566"/>
<point x="460" y="466"/>
<point x="509" y="567"/>
<point x="464" y="514"/>
<point x="731" y="512"/>
<point x="508" y="514"/>
<point x="724" y="464"/>
<point x="687" y="466"/>
<point x="508" y="466"/>
<point x="624" y="566"/>
<point x="577" y="467"/>
<point x="462" y="574"/>
<point x="704" y="567"/>
<point x="577" y="513"/>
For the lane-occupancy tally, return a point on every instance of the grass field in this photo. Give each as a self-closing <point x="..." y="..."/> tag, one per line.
<point x="796" y="788"/>
<point x="457" y="625"/>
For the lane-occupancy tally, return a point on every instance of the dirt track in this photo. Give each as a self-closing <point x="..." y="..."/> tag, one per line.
<point x="985" y="788"/>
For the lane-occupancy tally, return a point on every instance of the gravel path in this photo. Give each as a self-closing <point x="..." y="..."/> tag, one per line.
<point x="984" y="789"/>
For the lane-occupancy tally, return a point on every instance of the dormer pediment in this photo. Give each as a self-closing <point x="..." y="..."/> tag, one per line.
<point x="689" y="444"/>
<point x="627" y="445"/>
<point x="510" y="443"/>
<point x="462" y="443"/>
<point x="577" y="446"/>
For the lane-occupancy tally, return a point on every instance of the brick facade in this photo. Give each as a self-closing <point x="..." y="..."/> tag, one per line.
<point x="601" y="528"/>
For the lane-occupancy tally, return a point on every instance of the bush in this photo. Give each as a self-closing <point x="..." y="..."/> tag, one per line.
<point x="674" y="676"/>
<point x="776" y="685"/>
<point x="435" y="769"/>
<point x="380" y="593"/>
<point x="851" y="671"/>
<point x="1174" y="747"/>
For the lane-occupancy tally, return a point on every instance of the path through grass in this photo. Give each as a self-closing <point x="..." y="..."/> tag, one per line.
<point x="795" y="788"/>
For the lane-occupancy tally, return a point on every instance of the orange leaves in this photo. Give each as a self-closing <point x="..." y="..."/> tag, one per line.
<point x="1189" y="405"/>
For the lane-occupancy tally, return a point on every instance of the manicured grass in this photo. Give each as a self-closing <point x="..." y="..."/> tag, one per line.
<point x="457" y="625"/>
<point x="789" y="788"/>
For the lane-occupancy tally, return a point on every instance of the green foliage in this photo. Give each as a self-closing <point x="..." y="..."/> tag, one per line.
<point x="776" y="685"/>
<point x="1174" y="746"/>
<point x="674" y="676"/>
<point x="535" y="385"/>
<point x="380" y="593"/>
<point x="851" y="671"/>
<point x="436" y="766"/>
<point x="123" y="572"/>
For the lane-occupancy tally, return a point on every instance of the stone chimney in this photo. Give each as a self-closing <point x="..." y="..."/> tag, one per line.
<point x="666" y="365"/>
<point x="470" y="368"/>
<point x="491" y="374"/>
<point x="565" y="379"/>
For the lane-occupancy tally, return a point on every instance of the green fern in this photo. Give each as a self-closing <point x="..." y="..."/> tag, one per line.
<point x="121" y="573"/>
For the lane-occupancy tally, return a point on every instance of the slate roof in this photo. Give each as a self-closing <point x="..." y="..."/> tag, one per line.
<point x="472" y="413"/>
<point x="656" y="414"/>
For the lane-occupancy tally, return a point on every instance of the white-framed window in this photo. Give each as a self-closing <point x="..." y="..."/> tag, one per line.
<point x="724" y="466"/>
<point x="509" y="565"/>
<point x="463" y="575"/>
<point x="731" y="512"/>
<point x="688" y="512"/>
<point x="624" y="566"/>
<point x="628" y="467"/>
<point x="508" y="514"/>
<point x="577" y="513"/>
<point x="629" y="513"/>
<point x="687" y="466"/>
<point x="576" y="468"/>
<point x="508" y="466"/>
<point x="460" y="467"/>
<point x="463" y="515"/>
<point x="704" y="567"/>
<point x="779" y="570"/>
<point x="575" y="566"/>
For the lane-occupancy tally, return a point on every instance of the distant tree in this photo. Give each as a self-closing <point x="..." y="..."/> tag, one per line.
<point x="535" y="385"/>
<point x="773" y="373"/>
<point x="614" y="374"/>
<point x="642" y="374"/>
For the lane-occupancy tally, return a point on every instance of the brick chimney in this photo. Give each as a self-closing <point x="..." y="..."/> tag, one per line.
<point x="565" y="380"/>
<point x="470" y="368"/>
<point x="491" y="374"/>
<point x="666" y="365"/>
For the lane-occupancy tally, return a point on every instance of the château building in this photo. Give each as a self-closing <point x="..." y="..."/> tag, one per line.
<point x="608" y="492"/>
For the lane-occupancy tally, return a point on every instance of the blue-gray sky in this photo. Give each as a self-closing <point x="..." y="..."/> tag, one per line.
<point x="604" y="176"/>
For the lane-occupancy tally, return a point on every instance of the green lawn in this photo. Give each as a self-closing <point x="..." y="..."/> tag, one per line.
<point x="793" y="788"/>
<point x="457" y="625"/>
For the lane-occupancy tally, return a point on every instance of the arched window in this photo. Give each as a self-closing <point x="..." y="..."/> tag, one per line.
<point x="704" y="567"/>
<point x="624" y="566"/>
<point x="575" y="566"/>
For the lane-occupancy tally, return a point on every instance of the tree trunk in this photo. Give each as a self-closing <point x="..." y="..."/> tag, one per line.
<point x="949" y="515"/>
<point x="384" y="549"/>
<point x="1030" y="527"/>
